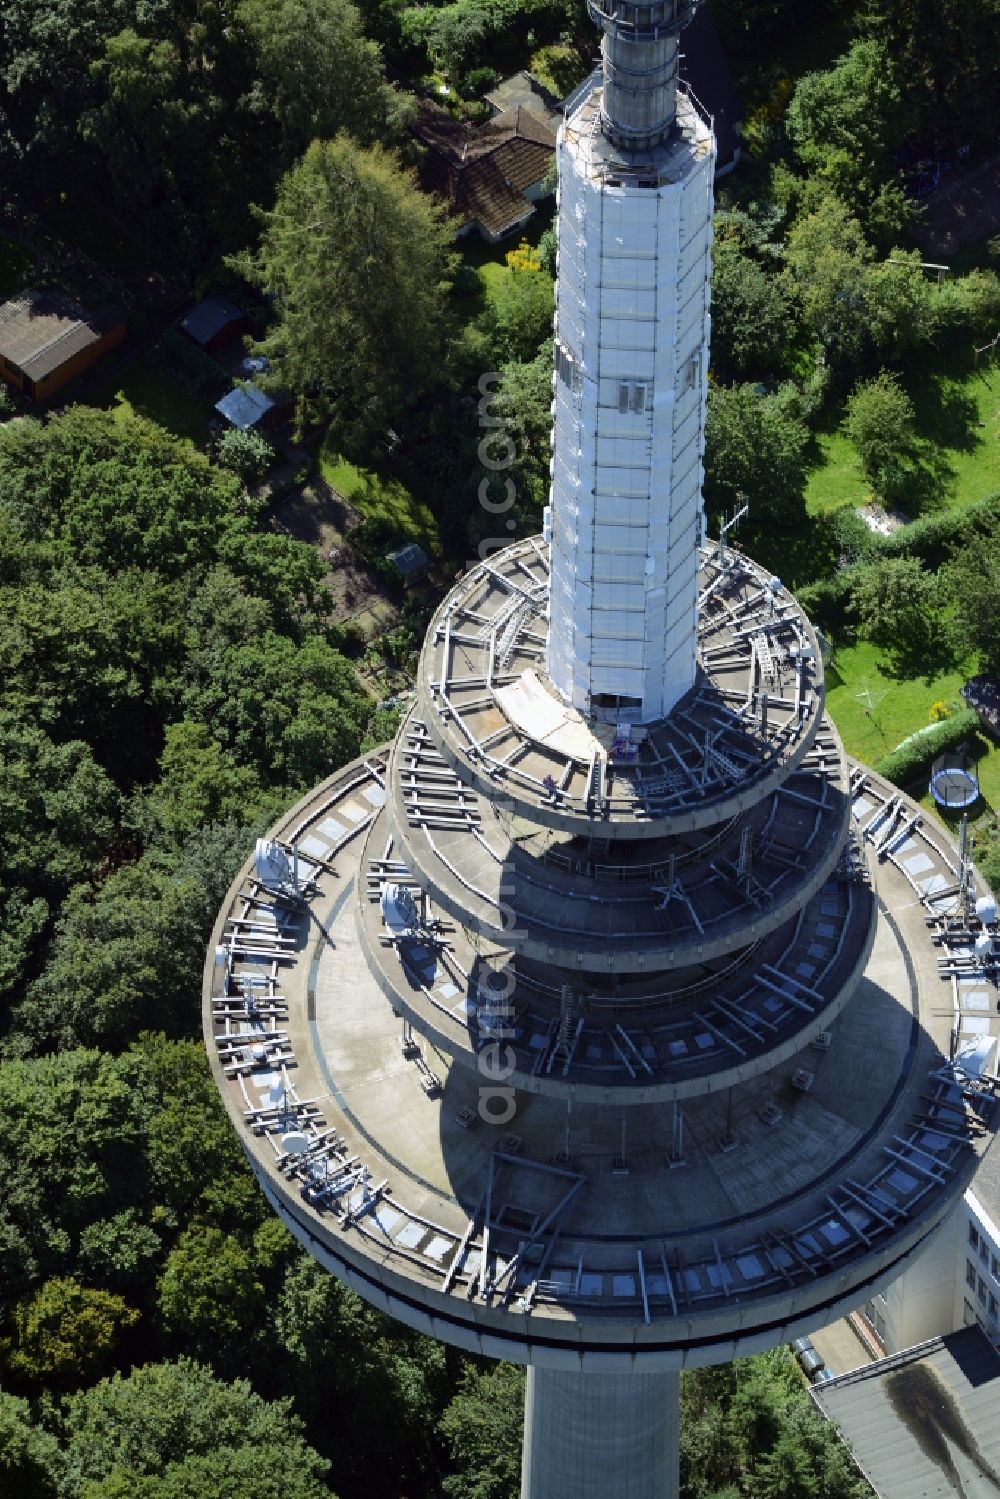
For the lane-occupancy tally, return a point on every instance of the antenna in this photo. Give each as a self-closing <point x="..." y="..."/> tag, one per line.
<point x="728" y="525"/>
<point x="870" y="701"/>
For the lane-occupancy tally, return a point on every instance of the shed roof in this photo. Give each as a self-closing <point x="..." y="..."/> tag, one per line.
<point x="42" y="331"/>
<point x="409" y="558"/>
<point x="244" y="406"/>
<point x="210" y="317"/>
<point x="923" y="1424"/>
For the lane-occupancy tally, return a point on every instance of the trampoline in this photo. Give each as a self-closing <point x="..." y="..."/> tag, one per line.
<point x="954" y="782"/>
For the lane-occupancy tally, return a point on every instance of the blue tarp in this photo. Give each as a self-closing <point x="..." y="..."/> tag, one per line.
<point x="244" y="406"/>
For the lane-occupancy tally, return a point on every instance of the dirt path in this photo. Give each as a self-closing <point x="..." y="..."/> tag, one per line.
<point x="967" y="209"/>
<point x="318" y="515"/>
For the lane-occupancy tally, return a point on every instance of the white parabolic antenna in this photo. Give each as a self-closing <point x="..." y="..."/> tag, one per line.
<point x="975" y="1058"/>
<point x="399" y="909"/>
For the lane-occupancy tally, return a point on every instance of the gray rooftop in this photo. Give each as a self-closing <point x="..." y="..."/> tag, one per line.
<point x="41" y="331"/>
<point x="923" y="1424"/>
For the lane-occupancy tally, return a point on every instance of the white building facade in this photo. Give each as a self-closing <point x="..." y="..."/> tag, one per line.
<point x="955" y="1283"/>
<point x="630" y="388"/>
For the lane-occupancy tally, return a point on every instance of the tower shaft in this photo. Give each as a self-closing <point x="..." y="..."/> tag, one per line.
<point x="630" y="387"/>
<point x="594" y="1435"/>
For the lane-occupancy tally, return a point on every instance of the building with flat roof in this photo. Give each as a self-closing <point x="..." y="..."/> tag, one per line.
<point x="923" y="1424"/>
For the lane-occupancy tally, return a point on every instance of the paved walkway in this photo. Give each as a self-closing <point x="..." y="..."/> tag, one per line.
<point x="840" y="1347"/>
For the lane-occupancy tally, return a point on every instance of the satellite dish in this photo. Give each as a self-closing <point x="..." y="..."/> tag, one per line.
<point x="295" y="1142"/>
<point x="974" y="1058"/>
<point x="399" y="909"/>
<point x="272" y="863"/>
<point x="986" y="910"/>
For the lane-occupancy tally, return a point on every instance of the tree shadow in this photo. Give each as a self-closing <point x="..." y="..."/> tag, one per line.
<point x="946" y="415"/>
<point x="930" y="481"/>
<point x="922" y="659"/>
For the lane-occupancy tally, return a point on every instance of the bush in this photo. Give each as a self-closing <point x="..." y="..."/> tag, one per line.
<point x="829" y="602"/>
<point x="247" y="454"/>
<point x="915" y="756"/>
<point x="476" y="82"/>
<point x="934" y="538"/>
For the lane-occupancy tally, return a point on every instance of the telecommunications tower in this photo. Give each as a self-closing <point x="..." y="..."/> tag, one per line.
<point x="596" y="1023"/>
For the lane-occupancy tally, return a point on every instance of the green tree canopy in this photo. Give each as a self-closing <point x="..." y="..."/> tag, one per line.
<point x="749" y="1429"/>
<point x="358" y="260"/>
<point x="65" y="1334"/>
<point x="846" y="124"/>
<point x="825" y="257"/>
<point x="28" y="1453"/>
<point x="947" y="56"/>
<point x="318" y="74"/>
<point x="755" y="447"/>
<point x="752" y="319"/>
<point x="165" y="1428"/>
<point x="483" y="1428"/>
<point x="881" y="423"/>
<point x="896" y="603"/>
<point x="971" y="582"/>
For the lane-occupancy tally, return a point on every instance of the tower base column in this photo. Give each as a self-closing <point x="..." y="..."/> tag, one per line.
<point x="589" y="1436"/>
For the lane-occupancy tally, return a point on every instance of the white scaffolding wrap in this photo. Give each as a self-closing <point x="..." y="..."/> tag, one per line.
<point x="630" y="384"/>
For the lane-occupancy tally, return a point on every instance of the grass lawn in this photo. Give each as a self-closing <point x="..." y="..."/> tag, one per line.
<point x="144" y="391"/>
<point x="958" y="410"/>
<point x="899" y="707"/>
<point x="379" y="497"/>
<point x="15" y="267"/>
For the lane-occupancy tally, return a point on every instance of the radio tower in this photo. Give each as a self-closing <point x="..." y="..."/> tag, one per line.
<point x="697" y="1099"/>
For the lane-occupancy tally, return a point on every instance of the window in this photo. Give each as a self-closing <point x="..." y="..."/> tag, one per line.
<point x="993" y="1306"/>
<point x="995" y="1267"/>
<point x="634" y="397"/>
<point x="567" y="368"/>
<point x="981" y="1292"/>
<point x="692" y="372"/>
<point x="970" y="1275"/>
<point x="973" y="1236"/>
<point x="984" y="1251"/>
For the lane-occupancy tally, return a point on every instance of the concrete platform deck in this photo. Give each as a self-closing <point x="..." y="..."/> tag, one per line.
<point x="557" y="1233"/>
<point x="750" y="718"/>
<point x="642" y="905"/>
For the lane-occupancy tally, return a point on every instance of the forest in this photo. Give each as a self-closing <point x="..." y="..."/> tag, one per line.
<point x="173" y="673"/>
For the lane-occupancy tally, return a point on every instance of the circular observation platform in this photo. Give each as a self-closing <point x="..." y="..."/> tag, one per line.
<point x="649" y="1035"/>
<point x="591" y="1237"/>
<point x="630" y="906"/>
<point x="749" y="719"/>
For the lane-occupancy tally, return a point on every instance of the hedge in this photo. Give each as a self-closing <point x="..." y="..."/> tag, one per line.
<point x="917" y="754"/>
